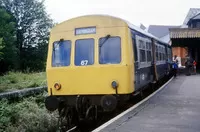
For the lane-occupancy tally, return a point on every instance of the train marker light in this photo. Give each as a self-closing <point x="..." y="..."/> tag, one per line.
<point x="57" y="86"/>
<point x="114" y="84"/>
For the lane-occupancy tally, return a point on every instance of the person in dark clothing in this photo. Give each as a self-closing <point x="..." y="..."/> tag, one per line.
<point x="188" y="65"/>
<point x="175" y="66"/>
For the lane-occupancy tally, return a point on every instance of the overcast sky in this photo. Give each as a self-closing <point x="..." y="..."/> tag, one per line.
<point x="147" y="12"/>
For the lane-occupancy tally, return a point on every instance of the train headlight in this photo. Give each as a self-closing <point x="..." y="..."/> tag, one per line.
<point x="57" y="86"/>
<point x="114" y="84"/>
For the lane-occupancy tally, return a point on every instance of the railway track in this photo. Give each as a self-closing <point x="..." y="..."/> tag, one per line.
<point x="131" y="104"/>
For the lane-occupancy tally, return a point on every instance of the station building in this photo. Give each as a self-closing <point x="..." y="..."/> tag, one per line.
<point x="184" y="39"/>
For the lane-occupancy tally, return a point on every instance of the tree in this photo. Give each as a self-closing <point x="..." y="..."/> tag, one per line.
<point x="1" y="47"/>
<point x="8" y="51"/>
<point x="33" y="25"/>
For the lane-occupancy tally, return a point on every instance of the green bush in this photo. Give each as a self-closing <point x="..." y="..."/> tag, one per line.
<point x="28" y="115"/>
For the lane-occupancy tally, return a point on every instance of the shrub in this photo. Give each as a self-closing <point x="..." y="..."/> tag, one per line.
<point x="27" y="115"/>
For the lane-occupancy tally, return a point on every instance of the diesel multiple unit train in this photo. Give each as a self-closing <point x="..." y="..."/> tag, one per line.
<point x="96" y="61"/>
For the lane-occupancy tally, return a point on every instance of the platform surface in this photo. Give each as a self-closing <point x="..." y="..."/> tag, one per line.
<point x="176" y="108"/>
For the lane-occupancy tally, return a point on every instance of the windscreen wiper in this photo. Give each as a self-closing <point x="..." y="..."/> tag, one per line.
<point x="61" y="40"/>
<point x="101" y="44"/>
<point x="106" y="38"/>
<point x="54" y="45"/>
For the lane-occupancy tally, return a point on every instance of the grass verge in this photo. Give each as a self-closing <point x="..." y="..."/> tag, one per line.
<point x="18" y="80"/>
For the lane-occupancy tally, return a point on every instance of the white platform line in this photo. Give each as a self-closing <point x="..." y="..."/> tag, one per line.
<point x="72" y="129"/>
<point x="130" y="109"/>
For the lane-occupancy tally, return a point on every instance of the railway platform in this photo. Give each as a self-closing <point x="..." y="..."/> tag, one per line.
<point x="175" y="108"/>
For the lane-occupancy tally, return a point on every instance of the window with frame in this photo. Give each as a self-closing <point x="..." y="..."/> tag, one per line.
<point x="157" y="53"/>
<point x="84" y="52"/>
<point x="110" y="50"/>
<point x="164" y="53"/>
<point x="134" y="48"/>
<point x="162" y="56"/>
<point x="142" y="53"/>
<point x="148" y="51"/>
<point x="61" y="53"/>
<point x="169" y="54"/>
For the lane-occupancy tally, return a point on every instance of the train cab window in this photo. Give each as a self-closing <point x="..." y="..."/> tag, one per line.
<point x="84" y="52"/>
<point x="110" y="50"/>
<point x="61" y="53"/>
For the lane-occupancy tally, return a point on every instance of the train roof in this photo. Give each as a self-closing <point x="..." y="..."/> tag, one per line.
<point x="136" y="28"/>
<point x="130" y="25"/>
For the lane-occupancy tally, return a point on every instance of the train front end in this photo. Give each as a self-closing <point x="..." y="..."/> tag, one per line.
<point x="89" y="65"/>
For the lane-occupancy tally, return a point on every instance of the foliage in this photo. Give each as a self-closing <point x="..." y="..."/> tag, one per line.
<point x="1" y="47"/>
<point x="8" y="50"/>
<point x="18" y="80"/>
<point x="27" y="115"/>
<point x="32" y="25"/>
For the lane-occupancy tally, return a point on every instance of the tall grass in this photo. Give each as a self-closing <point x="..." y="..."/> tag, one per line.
<point x="28" y="115"/>
<point x="18" y="80"/>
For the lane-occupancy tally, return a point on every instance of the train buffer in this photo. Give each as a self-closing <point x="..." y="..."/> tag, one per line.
<point x="175" y="108"/>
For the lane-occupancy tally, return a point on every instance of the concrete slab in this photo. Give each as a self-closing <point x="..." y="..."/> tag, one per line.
<point x="175" y="109"/>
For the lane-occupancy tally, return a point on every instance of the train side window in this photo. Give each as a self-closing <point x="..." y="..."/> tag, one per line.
<point x="148" y="51"/>
<point x="134" y="48"/>
<point x="142" y="56"/>
<point x="142" y="48"/>
<point x="84" y="52"/>
<point x="164" y="54"/>
<point x="61" y="53"/>
<point x="169" y="54"/>
<point x="157" y="53"/>
<point x="161" y="52"/>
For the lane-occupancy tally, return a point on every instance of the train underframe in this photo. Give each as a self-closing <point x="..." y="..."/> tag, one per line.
<point x="75" y="109"/>
<point x="82" y="108"/>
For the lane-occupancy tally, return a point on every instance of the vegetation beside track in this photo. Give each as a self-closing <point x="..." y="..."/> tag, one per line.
<point x="27" y="114"/>
<point x="18" y="80"/>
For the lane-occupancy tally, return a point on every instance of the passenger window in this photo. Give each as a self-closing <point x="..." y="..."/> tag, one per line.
<point x="134" y="49"/>
<point x="142" y="56"/>
<point x="148" y="51"/>
<point x="149" y="56"/>
<point x="84" y="52"/>
<point x="142" y="48"/>
<point x="157" y="54"/>
<point x="61" y="53"/>
<point x="110" y="50"/>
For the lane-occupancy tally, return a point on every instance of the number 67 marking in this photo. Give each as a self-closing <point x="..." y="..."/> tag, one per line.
<point x="84" y="62"/>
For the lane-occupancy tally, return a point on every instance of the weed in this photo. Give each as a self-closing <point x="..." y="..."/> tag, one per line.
<point x="27" y="115"/>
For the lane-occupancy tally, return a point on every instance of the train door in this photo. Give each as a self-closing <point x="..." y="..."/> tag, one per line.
<point x="143" y="64"/>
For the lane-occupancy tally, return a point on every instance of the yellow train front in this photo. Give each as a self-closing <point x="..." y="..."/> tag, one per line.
<point x="91" y="65"/>
<point x="90" y="61"/>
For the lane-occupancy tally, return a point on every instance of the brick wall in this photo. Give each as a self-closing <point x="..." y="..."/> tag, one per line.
<point x="180" y="52"/>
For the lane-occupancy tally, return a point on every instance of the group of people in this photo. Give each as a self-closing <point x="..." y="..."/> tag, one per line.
<point x="189" y="64"/>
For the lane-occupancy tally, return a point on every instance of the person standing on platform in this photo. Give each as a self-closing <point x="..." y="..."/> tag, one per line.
<point x="194" y="66"/>
<point x="175" y="65"/>
<point x="188" y="65"/>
